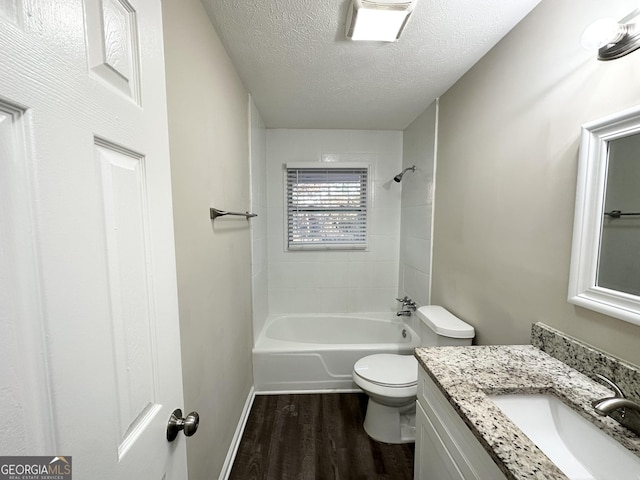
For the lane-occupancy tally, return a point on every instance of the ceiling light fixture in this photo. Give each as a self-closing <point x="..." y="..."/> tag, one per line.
<point x="611" y="38"/>
<point x="381" y="21"/>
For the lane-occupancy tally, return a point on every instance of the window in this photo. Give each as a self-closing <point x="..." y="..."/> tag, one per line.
<point x="327" y="207"/>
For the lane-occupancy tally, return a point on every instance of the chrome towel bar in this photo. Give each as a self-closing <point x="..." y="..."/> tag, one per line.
<point x="215" y="213"/>
<point x="618" y="213"/>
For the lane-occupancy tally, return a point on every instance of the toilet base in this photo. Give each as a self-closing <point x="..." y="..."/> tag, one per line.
<point x="391" y="424"/>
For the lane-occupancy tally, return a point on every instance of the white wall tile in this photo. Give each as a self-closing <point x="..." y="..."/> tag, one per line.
<point x="382" y="248"/>
<point x="333" y="300"/>
<point x="418" y="253"/>
<point x="417" y="285"/>
<point x="361" y="274"/>
<point x="282" y="275"/>
<point x="416" y="221"/>
<point x="385" y="274"/>
<point x="325" y="280"/>
<point x="398" y="257"/>
<point x="279" y="299"/>
<point x="305" y="300"/>
<point x="385" y="221"/>
<point x="388" y="193"/>
<point x="371" y="299"/>
<point x="331" y="274"/>
<point x="258" y="225"/>
<point x="363" y="140"/>
<point x="417" y="207"/>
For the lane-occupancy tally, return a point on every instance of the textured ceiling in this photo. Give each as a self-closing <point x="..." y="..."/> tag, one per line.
<point x="302" y="72"/>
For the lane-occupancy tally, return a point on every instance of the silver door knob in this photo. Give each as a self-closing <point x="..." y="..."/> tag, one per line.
<point x="188" y="425"/>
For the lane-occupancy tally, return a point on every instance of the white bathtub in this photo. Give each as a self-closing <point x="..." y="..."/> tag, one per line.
<point x="316" y="352"/>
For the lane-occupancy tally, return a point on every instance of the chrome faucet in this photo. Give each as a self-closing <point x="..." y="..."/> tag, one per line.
<point x="408" y="307"/>
<point x="624" y="411"/>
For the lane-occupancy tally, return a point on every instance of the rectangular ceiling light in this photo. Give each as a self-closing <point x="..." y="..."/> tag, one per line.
<point x="381" y="21"/>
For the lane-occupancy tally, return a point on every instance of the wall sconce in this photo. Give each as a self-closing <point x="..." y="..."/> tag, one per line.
<point x="381" y="21"/>
<point x="611" y="38"/>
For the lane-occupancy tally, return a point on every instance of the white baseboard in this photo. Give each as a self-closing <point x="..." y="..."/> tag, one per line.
<point x="237" y="437"/>
<point x="302" y="392"/>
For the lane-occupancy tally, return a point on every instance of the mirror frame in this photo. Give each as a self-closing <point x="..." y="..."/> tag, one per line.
<point x="590" y="191"/>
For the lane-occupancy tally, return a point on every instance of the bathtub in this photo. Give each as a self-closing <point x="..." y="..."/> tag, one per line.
<point x="316" y="352"/>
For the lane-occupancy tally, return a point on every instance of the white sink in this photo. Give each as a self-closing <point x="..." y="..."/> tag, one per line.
<point x="579" y="448"/>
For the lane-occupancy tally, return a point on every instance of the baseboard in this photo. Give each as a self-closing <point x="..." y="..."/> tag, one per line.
<point x="302" y="392"/>
<point x="237" y="437"/>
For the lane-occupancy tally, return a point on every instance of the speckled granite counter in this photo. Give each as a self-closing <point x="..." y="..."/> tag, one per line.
<point x="466" y="375"/>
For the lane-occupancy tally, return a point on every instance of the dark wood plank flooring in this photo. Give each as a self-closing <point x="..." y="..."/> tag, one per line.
<point x="315" y="436"/>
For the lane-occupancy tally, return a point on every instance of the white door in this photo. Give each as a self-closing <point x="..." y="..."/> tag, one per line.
<point x="89" y="336"/>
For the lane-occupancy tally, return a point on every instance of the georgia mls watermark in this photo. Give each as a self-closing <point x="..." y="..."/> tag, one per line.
<point x="35" y="468"/>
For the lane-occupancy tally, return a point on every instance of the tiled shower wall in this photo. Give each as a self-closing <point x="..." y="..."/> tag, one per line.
<point x="335" y="281"/>
<point x="417" y="207"/>
<point x="259" y="267"/>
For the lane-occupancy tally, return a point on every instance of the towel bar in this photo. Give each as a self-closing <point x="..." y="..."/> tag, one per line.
<point x="215" y="213"/>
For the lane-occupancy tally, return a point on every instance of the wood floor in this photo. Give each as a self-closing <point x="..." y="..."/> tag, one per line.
<point x="315" y="436"/>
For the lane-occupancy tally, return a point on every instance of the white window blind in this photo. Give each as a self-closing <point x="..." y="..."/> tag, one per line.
<point x="327" y="207"/>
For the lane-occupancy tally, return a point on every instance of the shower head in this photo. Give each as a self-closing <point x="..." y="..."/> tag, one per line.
<point x="398" y="177"/>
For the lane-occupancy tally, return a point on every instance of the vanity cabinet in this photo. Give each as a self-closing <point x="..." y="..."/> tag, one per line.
<point x="445" y="447"/>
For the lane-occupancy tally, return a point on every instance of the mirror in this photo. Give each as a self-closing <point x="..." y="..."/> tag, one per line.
<point x="605" y="257"/>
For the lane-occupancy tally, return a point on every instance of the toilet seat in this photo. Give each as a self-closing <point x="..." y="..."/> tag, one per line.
<point x="391" y="383"/>
<point x="388" y="370"/>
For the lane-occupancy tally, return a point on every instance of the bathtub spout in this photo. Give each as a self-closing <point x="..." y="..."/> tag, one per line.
<point x="408" y="306"/>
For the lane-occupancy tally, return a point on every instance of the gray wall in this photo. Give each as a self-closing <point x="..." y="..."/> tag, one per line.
<point x="509" y="132"/>
<point x="209" y="139"/>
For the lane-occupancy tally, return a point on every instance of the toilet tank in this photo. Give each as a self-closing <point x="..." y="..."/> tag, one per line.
<point x="438" y="327"/>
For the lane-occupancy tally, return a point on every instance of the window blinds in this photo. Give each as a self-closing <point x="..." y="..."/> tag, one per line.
<point x="327" y="207"/>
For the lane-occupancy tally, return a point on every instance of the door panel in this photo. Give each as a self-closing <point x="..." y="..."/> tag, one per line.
<point x="26" y="420"/>
<point x="113" y="49"/>
<point x="132" y="322"/>
<point x="88" y="302"/>
<point x="9" y="9"/>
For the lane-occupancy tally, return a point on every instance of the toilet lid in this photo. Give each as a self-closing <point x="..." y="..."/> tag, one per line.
<point x="388" y="370"/>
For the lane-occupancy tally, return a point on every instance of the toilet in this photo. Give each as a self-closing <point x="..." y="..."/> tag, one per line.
<point x="391" y="380"/>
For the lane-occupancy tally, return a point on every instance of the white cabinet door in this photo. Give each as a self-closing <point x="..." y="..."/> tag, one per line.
<point x="445" y="446"/>
<point x="433" y="461"/>
<point x="89" y="336"/>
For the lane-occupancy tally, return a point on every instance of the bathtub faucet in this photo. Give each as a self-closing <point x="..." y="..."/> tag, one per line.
<point x="408" y="307"/>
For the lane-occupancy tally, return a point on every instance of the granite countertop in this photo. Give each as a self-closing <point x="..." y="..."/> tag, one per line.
<point x="466" y="375"/>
